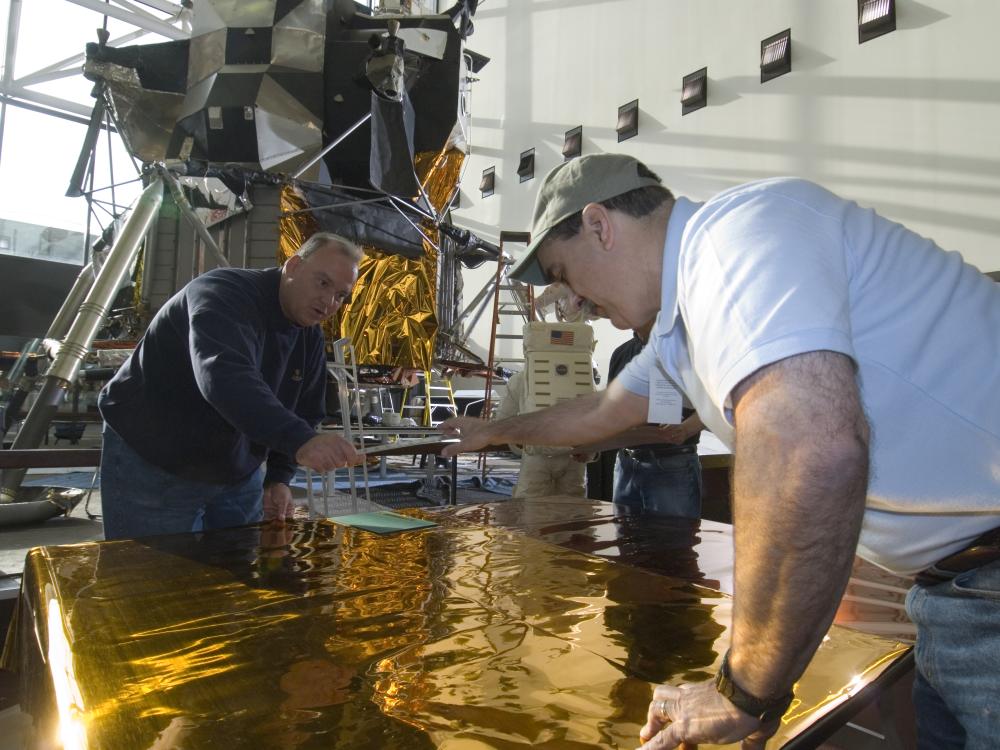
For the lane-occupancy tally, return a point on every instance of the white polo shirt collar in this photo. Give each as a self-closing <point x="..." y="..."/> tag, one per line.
<point x="680" y="214"/>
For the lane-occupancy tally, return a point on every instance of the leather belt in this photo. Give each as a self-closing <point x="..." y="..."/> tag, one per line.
<point x="983" y="549"/>
<point x="651" y="454"/>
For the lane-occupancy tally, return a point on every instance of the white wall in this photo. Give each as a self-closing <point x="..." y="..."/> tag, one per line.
<point x="908" y="123"/>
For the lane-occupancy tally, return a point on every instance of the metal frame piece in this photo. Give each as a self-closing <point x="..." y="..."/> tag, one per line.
<point x="332" y="145"/>
<point x="185" y="208"/>
<point x="347" y="382"/>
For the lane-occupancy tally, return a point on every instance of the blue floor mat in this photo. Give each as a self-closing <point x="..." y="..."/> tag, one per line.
<point x="74" y="479"/>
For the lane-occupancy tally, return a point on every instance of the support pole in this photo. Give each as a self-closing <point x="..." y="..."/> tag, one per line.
<point x="93" y="312"/>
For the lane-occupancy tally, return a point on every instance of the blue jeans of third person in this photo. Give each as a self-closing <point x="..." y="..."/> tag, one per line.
<point x="140" y="499"/>
<point x="667" y="485"/>
<point x="956" y="690"/>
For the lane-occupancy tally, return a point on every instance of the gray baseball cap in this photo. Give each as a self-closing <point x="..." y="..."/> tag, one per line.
<point x="566" y="190"/>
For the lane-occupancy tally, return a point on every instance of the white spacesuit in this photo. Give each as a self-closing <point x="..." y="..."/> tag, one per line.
<point x="558" y="367"/>
<point x="544" y="470"/>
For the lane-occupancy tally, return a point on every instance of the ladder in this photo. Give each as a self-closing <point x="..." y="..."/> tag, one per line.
<point x="510" y="298"/>
<point x="433" y="397"/>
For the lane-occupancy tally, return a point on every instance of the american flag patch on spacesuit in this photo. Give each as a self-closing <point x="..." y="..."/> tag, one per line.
<point x="561" y="337"/>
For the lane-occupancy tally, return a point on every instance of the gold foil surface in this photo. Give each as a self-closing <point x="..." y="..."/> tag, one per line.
<point x="318" y="635"/>
<point x="294" y="229"/>
<point x="695" y="550"/>
<point x="439" y="172"/>
<point x="392" y="316"/>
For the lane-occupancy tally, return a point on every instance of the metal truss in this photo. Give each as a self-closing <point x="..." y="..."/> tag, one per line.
<point x="17" y="92"/>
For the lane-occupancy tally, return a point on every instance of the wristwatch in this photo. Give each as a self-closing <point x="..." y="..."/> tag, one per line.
<point x="765" y="711"/>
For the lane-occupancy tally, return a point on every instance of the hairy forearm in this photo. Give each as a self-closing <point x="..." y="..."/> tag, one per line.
<point x="799" y="488"/>
<point x="648" y="435"/>
<point x="589" y="418"/>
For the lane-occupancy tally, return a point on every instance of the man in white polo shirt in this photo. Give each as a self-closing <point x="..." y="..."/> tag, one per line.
<point x="854" y="368"/>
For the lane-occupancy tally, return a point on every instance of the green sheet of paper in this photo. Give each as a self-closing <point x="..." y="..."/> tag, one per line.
<point x="382" y="522"/>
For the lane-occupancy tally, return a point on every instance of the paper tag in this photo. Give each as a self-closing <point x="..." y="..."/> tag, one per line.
<point x="665" y="400"/>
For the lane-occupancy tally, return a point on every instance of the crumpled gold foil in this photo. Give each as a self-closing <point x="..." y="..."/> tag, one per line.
<point x="392" y="316"/>
<point x="293" y="230"/>
<point x="438" y="172"/>
<point x="316" y="635"/>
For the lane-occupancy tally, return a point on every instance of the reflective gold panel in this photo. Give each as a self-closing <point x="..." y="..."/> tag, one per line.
<point x="316" y="635"/>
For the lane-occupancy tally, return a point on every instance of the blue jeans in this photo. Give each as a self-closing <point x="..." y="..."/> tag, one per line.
<point x="665" y="485"/>
<point x="139" y="499"/>
<point x="956" y="690"/>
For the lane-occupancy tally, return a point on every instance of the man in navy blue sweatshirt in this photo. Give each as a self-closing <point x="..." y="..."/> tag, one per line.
<point x="229" y="377"/>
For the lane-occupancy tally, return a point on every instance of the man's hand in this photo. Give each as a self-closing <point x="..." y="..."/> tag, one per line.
<point x="673" y="434"/>
<point x="327" y="452"/>
<point x="684" y="716"/>
<point x="278" y="503"/>
<point x="474" y="434"/>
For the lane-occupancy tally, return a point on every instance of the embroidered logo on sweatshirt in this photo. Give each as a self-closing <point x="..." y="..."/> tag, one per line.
<point x="296" y="375"/>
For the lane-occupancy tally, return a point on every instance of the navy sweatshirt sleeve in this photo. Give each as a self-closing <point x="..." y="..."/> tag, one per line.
<point x="311" y="407"/>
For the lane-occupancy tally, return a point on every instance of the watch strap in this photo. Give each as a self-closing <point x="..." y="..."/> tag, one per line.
<point x="764" y="710"/>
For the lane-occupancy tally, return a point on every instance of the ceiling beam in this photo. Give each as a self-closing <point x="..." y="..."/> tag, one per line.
<point x="143" y="21"/>
<point x="165" y="5"/>
<point x="54" y="75"/>
<point x="140" y="12"/>
<point x="46" y="100"/>
<point x="73" y="64"/>
<point x="31" y="107"/>
<point x="13" y="24"/>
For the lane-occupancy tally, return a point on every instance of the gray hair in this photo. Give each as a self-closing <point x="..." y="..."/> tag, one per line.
<point x="321" y="239"/>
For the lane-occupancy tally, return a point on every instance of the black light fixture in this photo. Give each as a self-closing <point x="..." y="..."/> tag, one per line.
<point x="628" y="120"/>
<point x="694" y="91"/>
<point x="776" y="55"/>
<point x="573" y="143"/>
<point x="488" y="183"/>
<point x="875" y="18"/>
<point x="526" y="166"/>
